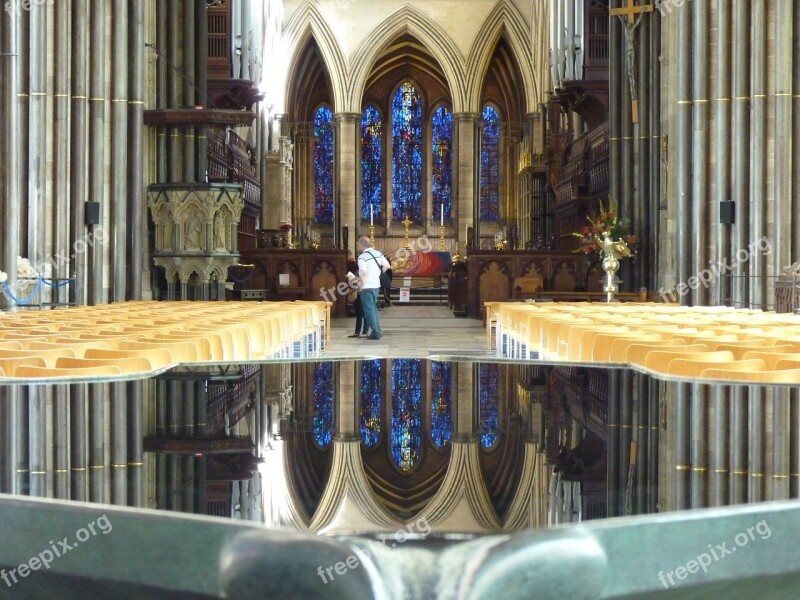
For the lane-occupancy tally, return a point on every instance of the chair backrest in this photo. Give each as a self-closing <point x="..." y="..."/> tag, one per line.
<point x="693" y="368"/>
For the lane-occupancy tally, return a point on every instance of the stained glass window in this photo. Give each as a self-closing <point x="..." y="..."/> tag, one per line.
<point x="488" y="395"/>
<point x="371" y="395"/>
<point x="441" y="389"/>
<point x="442" y="165"/>
<point x="371" y="162"/>
<point x="323" y="403"/>
<point x="407" y="154"/>
<point x="323" y="165"/>
<point x="490" y="165"/>
<point x="406" y="412"/>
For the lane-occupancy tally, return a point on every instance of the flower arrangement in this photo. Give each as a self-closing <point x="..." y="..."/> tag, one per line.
<point x="607" y="221"/>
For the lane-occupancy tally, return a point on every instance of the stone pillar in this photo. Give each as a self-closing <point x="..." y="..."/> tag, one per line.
<point x="277" y="189"/>
<point x="61" y="442"/>
<point x="347" y="187"/>
<point x="347" y="413"/>
<point x="78" y="445"/>
<point x="464" y="376"/>
<point x="465" y="176"/>
<point x="10" y="208"/>
<point x="98" y="474"/>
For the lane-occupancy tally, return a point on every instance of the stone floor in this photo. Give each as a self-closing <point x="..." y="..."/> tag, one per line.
<point x="411" y="332"/>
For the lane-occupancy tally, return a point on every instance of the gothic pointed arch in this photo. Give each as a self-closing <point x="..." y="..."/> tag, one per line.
<point x="305" y="28"/>
<point x="507" y="24"/>
<point x="407" y="22"/>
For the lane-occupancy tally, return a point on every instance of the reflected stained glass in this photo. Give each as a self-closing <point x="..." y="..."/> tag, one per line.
<point x="406" y="412"/>
<point x="371" y="395"/>
<point x="441" y="388"/>
<point x="490" y="164"/>
<point x="407" y="154"/>
<point x="371" y="162"/>
<point x="323" y="403"/>
<point x="323" y="165"/>
<point x="488" y="395"/>
<point x="442" y="167"/>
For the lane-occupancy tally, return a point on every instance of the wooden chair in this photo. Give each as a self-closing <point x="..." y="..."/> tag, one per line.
<point x="770" y="358"/>
<point x="684" y="367"/>
<point x="29" y="372"/>
<point x="159" y="357"/>
<point x="791" y="376"/>
<point x="129" y="365"/>
<point x="659" y="360"/>
<point x="49" y="356"/>
<point x="9" y="365"/>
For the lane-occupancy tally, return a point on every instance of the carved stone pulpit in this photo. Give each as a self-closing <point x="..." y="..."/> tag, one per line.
<point x="196" y="234"/>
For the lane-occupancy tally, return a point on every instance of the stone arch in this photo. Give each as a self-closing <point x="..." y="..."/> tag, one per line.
<point x="407" y="20"/>
<point x="506" y="21"/>
<point x="308" y="22"/>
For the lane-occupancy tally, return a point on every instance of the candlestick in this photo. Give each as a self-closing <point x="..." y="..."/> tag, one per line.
<point x="442" y="221"/>
<point x="371" y="224"/>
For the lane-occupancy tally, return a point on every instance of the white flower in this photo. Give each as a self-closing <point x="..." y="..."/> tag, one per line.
<point x="3" y="277"/>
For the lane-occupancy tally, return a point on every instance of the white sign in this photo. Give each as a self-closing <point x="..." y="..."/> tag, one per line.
<point x="283" y="279"/>
<point x="407" y="282"/>
<point x="405" y="294"/>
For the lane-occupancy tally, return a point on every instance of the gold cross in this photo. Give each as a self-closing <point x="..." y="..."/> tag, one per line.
<point x="407" y="222"/>
<point x="631" y="10"/>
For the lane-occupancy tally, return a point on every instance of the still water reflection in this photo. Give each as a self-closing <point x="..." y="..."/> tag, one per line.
<point x="375" y="445"/>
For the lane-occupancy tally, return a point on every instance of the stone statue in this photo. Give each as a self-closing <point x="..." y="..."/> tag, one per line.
<point x="219" y="232"/>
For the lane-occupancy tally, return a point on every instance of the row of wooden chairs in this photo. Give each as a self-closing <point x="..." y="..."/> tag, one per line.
<point x="143" y="337"/>
<point x="698" y="342"/>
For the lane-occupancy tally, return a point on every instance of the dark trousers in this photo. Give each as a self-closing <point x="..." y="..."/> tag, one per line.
<point x="361" y="322"/>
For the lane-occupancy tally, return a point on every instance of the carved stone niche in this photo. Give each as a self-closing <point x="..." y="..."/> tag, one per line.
<point x="196" y="224"/>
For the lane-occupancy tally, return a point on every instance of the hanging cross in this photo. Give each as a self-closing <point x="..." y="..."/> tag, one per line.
<point x="630" y="28"/>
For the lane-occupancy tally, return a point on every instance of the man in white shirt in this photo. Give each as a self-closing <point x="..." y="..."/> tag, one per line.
<point x="371" y="263"/>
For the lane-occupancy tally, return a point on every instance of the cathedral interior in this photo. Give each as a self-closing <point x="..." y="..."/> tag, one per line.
<point x="592" y="354"/>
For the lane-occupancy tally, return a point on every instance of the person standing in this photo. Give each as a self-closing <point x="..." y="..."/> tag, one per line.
<point x="371" y="263"/>
<point x="355" y="298"/>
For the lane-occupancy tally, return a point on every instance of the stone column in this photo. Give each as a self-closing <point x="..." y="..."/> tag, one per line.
<point x="464" y="377"/>
<point x="10" y="208"/>
<point x="277" y="189"/>
<point x="465" y="177"/>
<point x="78" y="446"/>
<point x="347" y="188"/>
<point x="346" y="406"/>
<point x="78" y="148"/>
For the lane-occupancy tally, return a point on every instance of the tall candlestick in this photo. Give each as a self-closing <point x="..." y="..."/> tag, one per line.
<point x="442" y="221"/>
<point x="371" y="224"/>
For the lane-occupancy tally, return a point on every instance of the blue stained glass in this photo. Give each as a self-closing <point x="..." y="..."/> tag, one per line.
<point x="323" y="403"/>
<point x="323" y="165"/>
<point x="490" y="165"/>
<point x="442" y="389"/>
<point x="371" y="395"/>
<point x="406" y="412"/>
<point x="371" y="162"/>
<point x="442" y="167"/>
<point x="488" y="395"/>
<point x="407" y="154"/>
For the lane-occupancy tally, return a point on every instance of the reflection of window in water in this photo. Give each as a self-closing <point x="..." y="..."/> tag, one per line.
<point x="406" y="412"/>
<point x="371" y="395"/>
<point x="488" y="393"/>
<point x="441" y="401"/>
<point x="323" y="403"/>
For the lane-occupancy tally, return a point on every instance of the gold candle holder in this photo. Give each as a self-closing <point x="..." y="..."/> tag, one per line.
<point x="441" y="237"/>
<point x="372" y="234"/>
